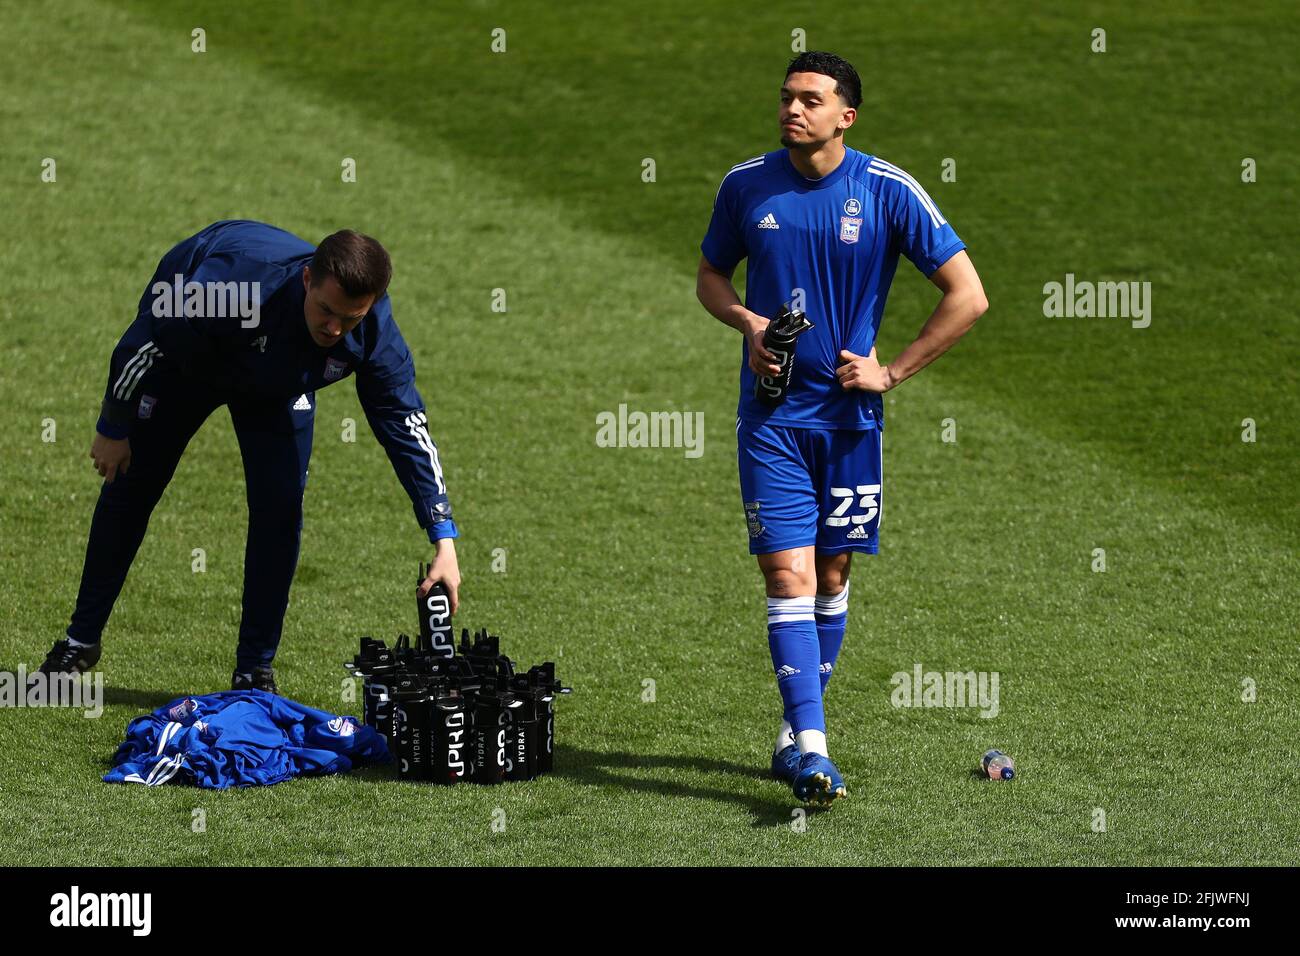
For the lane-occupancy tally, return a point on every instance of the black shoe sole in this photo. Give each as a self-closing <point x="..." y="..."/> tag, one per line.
<point x="83" y="663"/>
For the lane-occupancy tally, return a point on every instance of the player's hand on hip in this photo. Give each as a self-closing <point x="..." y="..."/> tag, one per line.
<point x="863" y="372"/>
<point x="112" y="456"/>
<point x="761" y="361"/>
<point x="445" y="569"/>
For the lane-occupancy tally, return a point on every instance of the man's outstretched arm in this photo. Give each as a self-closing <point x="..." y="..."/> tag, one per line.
<point x="963" y="302"/>
<point x="397" y="416"/>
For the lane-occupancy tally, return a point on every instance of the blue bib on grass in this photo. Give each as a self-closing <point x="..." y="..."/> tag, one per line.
<point x="241" y="738"/>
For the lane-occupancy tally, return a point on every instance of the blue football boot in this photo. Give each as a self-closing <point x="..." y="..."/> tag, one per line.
<point x="818" y="781"/>
<point x="785" y="764"/>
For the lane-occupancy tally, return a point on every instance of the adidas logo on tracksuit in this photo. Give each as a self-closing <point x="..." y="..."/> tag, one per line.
<point x="302" y="405"/>
<point x="768" y="222"/>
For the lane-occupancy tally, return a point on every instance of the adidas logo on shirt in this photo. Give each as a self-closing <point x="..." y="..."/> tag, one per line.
<point x="768" y="222"/>
<point x="302" y="405"/>
<point x="859" y="533"/>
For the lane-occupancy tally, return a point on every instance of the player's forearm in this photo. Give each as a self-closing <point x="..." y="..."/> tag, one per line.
<point x="398" y="418"/>
<point x="951" y="319"/>
<point x="130" y="362"/>
<point x="419" y="471"/>
<point x="718" y="296"/>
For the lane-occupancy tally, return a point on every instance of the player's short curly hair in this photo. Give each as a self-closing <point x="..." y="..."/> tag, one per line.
<point x="847" y="84"/>
<point x="359" y="263"/>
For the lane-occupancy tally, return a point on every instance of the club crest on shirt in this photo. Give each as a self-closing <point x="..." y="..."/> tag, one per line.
<point x="850" y="226"/>
<point x="342" y="726"/>
<point x="334" y="369"/>
<point x="145" y="408"/>
<point x="751" y="518"/>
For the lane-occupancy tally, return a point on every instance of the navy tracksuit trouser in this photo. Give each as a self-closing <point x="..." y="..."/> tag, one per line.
<point x="275" y="443"/>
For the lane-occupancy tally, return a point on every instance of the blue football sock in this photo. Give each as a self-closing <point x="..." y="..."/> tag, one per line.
<point x="832" y="612"/>
<point x="792" y="639"/>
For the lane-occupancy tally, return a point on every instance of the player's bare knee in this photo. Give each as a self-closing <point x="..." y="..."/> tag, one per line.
<point x="832" y="581"/>
<point x="784" y="583"/>
<point x="833" y="573"/>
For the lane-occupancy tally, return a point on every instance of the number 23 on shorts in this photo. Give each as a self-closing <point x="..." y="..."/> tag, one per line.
<point x="868" y="506"/>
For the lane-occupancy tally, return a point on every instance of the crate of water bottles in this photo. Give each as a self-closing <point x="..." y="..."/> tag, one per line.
<point x="457" y="713"/>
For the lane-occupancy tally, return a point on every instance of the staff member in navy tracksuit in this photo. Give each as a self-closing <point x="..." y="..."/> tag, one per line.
<point x="247" y="315"/>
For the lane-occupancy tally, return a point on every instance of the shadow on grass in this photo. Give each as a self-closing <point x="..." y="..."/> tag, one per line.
<point x="145" y="700"/>
<point x="595" y="768"/>
<point x="600" y="769"/>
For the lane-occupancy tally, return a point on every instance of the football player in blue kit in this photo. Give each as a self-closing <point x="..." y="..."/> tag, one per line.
<point x="822" y="226"/>
<point x="246" y="315"/>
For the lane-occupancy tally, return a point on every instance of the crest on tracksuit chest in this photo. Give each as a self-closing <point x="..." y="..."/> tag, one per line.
<point x="335" y="369"/>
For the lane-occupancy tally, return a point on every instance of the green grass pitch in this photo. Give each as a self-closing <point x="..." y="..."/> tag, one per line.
<point x="1121" y="691"/>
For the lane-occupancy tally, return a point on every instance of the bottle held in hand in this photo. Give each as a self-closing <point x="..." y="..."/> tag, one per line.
<point x="779" y="339"/>
<point x="437" y="639"/>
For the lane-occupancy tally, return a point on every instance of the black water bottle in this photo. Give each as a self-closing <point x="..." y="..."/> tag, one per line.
<point x="412" y="733"/>
<point x="376" y="664"/>
<point x="524" y="735"/>
<point x="542" y="686"/>
<point x="449" y="757"/>
<point x="483" y="654"/>
<point x="490" y="722"/>
<point x="779" y="339"/>
<point x="434" y="611"/>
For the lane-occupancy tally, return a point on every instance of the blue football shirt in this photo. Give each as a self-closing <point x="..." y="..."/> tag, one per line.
<point x="832" y="243"/>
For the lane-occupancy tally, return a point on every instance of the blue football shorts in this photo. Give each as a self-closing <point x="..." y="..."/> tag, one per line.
<point x="810" y="486"/>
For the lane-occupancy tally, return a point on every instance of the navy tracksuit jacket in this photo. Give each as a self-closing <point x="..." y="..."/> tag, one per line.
<point x="169" y="372"/>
